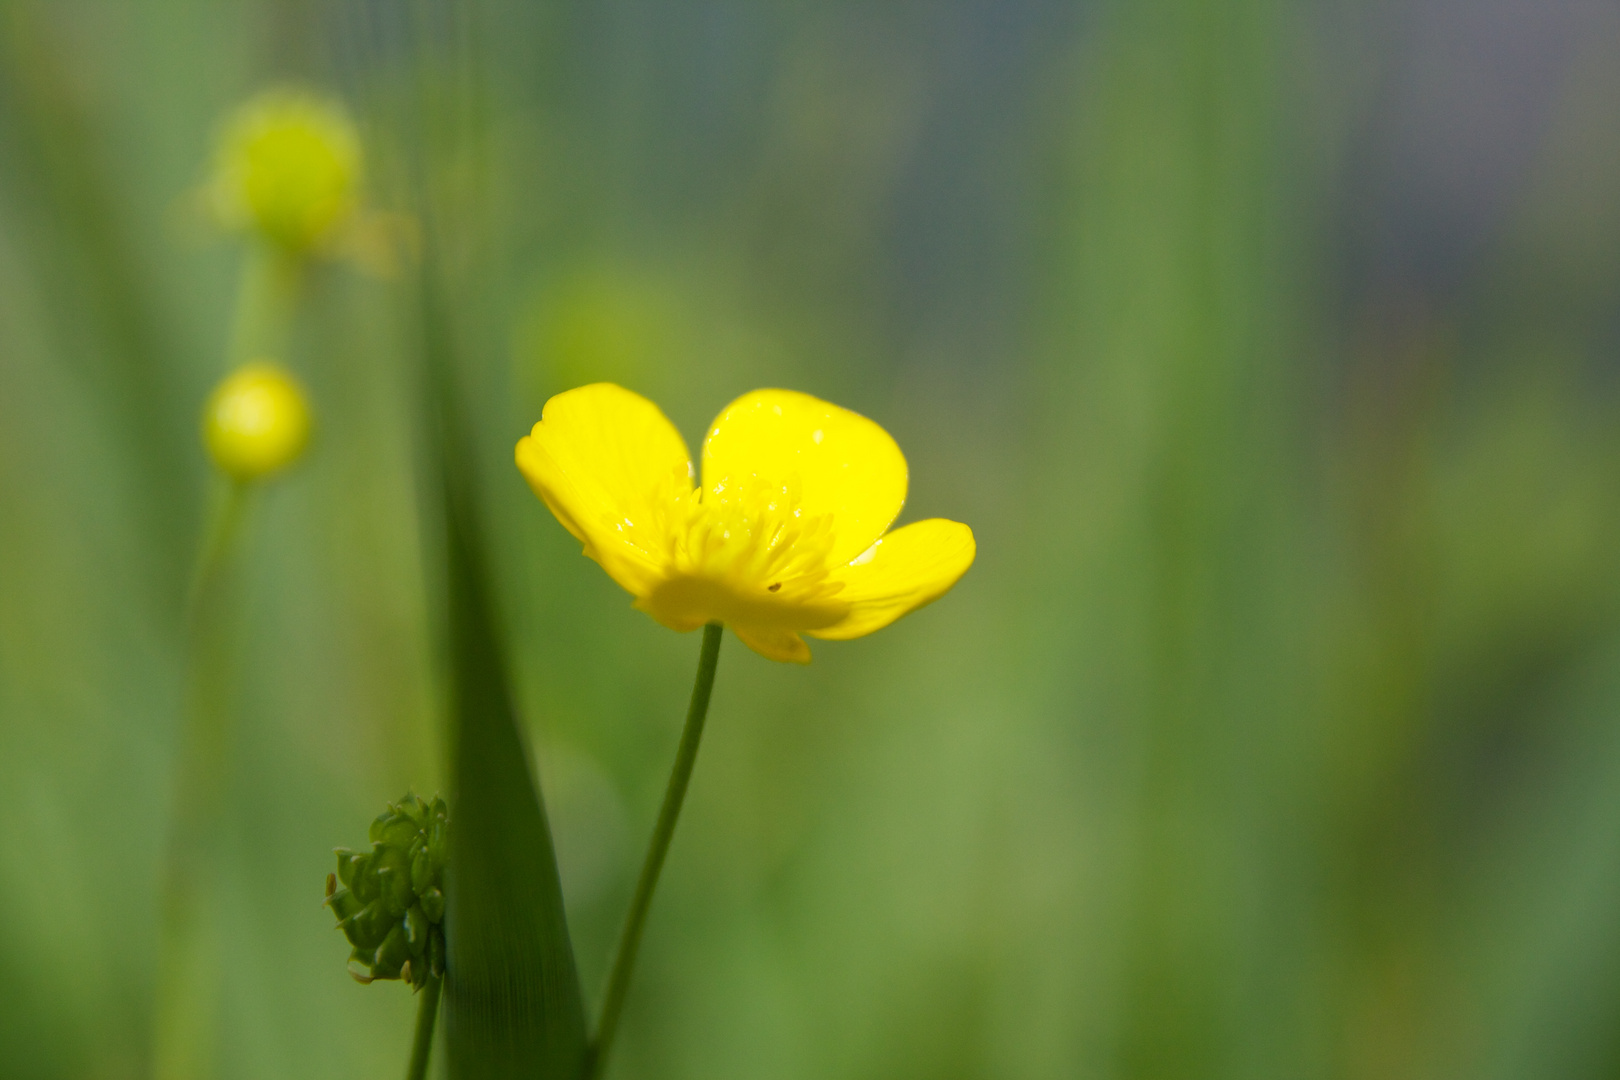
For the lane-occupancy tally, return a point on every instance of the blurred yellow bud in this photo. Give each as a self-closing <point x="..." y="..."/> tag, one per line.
<point x="256" y="421"/>
<point x="288" y="169"/>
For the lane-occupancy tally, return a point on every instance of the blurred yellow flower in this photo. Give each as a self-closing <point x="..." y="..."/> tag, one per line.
<point x="256" y="422"/>
<point x="787" y="534"/>
<point x="288" y="168"/>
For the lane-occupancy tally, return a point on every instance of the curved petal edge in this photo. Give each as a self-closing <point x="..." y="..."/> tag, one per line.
<point x="780" y="645"/>
<point x="608" y="464"/>
<point x="836" y="462"/>
<point x="905" y="570"/>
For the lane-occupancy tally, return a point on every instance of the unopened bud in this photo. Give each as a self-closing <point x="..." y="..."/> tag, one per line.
<point x="256" y="422"/>
<point x="288" y="169"/>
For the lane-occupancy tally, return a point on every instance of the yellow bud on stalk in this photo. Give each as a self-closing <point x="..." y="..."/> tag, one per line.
<point x="288" y="168"/>
<point x="256" y="422"/>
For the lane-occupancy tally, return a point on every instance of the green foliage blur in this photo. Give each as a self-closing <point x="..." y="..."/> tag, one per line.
<point x="1270" y="350"/>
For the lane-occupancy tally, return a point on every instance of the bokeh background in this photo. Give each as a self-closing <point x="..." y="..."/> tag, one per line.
<point x="1270" y="349"/>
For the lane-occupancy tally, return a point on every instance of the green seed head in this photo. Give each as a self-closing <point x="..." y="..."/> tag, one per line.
<point x="389" y="901"/>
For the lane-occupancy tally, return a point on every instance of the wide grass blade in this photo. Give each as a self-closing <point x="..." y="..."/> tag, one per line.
<point x="513" y="1004"/>
<point x="512" y="1001"/>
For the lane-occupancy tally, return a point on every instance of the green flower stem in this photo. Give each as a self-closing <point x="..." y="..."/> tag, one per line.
<point x="224" y="525"/>
<point x="680" y="776"/>
<point x="266" y="295"/>
<point x="188" y="958"/>
<point x="427" y="1013"/>
<point x="186" y="1002"/>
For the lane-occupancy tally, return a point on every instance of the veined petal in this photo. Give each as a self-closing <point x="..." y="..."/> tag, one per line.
<point x="611" y="467"/>
<point x="903" y="571"/>
<point x="781" y="645"/>
<point x="836" y="462"/>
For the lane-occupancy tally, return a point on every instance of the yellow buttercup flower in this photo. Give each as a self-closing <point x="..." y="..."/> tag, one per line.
<point x="787" y="534"/>
<point x="256" y="422"/>
<point x="288" y="168"/>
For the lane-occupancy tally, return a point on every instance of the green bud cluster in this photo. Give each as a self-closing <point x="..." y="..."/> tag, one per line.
<point x="389" y="901"/>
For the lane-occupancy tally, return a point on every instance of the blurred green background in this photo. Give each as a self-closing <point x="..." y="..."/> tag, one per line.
<point x="1271" y="350"/>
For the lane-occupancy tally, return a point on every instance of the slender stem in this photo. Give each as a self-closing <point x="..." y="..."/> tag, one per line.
<point x="224" y="523"/>
<point x="426" y="1013"/>
<point x="188" y="962"/>
<point x="630" y="939"/>
<point x="185" y="1005"/>
<point x="266" y="296"/>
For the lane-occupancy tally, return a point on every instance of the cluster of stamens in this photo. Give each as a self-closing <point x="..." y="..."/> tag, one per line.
<point x="751" y="535"/>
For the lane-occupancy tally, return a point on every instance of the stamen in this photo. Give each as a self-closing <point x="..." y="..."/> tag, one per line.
<point x="749" y="534"/>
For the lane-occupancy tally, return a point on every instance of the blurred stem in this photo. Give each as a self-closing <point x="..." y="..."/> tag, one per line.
<point x="266" y="296"/>
<point x="224" y="524"/>
<point x="61" y="169"/>
<point x="185" y="1004"/>
<point x="426" y="1014"/>
<point x="674" y="795"/>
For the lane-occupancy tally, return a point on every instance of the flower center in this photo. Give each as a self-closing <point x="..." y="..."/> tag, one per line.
<point x="751" y="534"/>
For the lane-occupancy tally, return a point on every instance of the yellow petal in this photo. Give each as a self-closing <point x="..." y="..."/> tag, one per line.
<point x="908" y="568"/>
<point x="782" y="645"/>
<point x="685" y="602"/>
<point x="835" y="461"/>
<point x="611" y="467"/>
